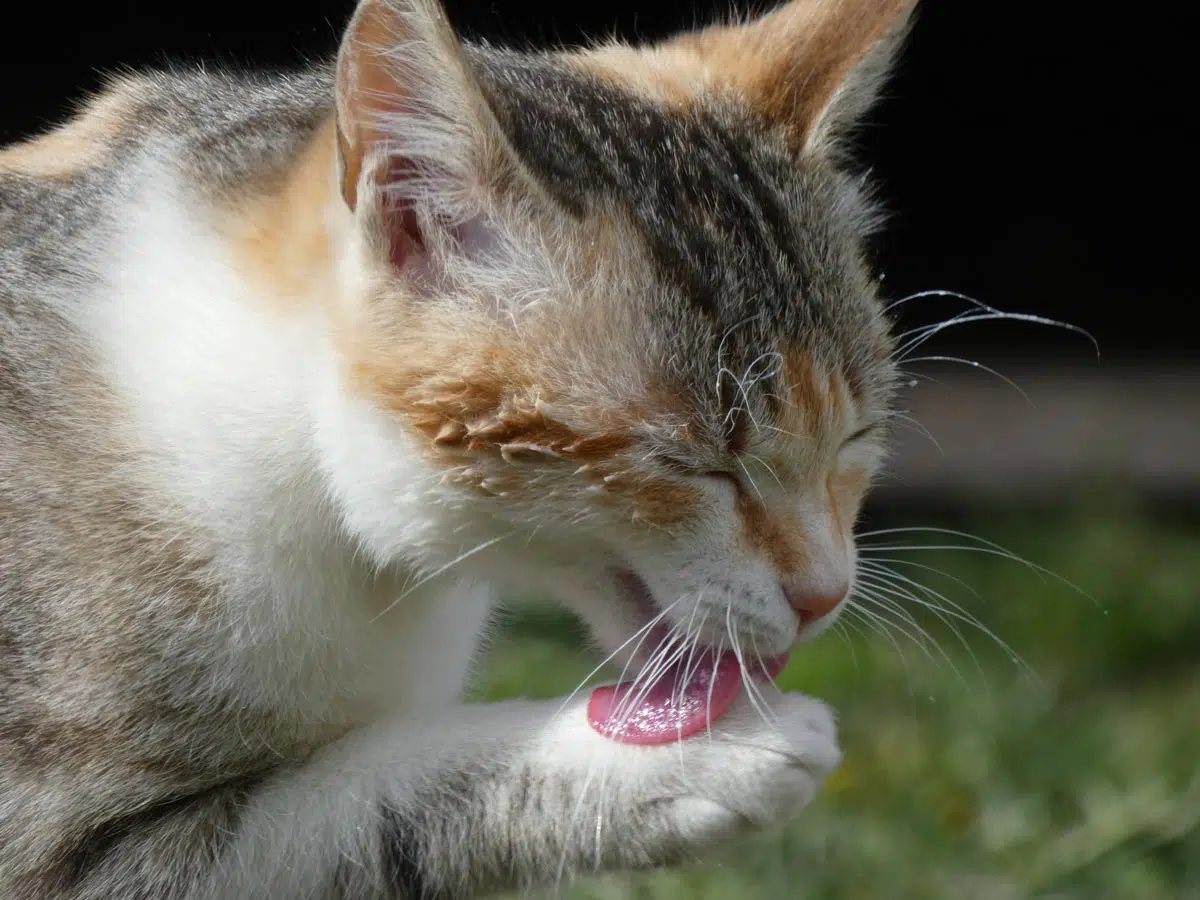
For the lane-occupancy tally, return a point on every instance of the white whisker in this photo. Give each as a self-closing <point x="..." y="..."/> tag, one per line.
<point x="882" y="595"/>
<point x="974" y="365"/>
<point x="980" y="311"/>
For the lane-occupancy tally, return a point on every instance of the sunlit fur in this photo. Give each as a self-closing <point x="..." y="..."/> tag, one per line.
<point x="298" y="373"/>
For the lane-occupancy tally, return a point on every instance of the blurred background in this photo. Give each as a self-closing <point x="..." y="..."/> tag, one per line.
<point x="1020" y="696"/>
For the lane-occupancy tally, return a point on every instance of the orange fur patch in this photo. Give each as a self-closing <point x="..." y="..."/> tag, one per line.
<point x="278" y="236"/>
<point x="662" y="503"/>
<point x="790" y="63"/>
<point x="805" y="398"/>
<point x="846" y="491"/>
<point x="667" y="74"/>
<point x="780" y="539"/>
<point x="818" y="402"/>
<point x="82" y="143"/>
<point x="482" y="412"/>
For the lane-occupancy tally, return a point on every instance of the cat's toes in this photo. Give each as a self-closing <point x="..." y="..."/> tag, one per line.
<point x="755" y="770"/>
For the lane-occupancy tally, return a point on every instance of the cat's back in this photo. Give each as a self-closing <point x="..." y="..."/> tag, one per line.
<point x="63" y="194"/>
<point x="78" y="211"/>
<point x="67" y="198"/>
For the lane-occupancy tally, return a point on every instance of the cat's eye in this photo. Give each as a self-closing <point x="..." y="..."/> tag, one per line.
<point x="689" y="470"/>
<point x="865" y="432"/>
<point x="720" y="475"/>
<point x="676" y="465"/>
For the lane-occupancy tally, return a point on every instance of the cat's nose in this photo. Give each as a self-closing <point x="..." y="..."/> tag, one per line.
<point x="814" y="600"/>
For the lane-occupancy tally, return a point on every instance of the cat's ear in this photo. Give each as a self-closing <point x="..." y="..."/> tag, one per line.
<point x="812" y="68"/>
<point x="413" y="126"/>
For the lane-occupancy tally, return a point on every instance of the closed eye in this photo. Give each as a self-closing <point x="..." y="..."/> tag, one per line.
<point x="865" y="432"/>
<point x="679" y="467"/>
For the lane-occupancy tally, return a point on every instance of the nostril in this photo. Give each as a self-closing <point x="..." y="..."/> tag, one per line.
<point x="812" y="602"/>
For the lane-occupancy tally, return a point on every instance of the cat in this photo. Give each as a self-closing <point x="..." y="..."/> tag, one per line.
<point x="299" y="372"/>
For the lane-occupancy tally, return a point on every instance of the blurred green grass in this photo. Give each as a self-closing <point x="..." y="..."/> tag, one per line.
<point x="1073" y="776"/>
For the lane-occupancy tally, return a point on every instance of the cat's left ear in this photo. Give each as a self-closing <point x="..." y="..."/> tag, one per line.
<point x="812" y="68"/>
<point x="414" y="128"/>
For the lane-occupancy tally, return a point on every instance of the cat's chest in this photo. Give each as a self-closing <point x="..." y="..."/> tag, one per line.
<point x="350" y="655"/>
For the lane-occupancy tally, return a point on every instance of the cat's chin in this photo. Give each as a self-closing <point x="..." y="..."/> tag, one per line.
<point x="678" y="684"/>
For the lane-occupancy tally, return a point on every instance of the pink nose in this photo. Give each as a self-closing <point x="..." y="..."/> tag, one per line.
<point x="812" y="602"/>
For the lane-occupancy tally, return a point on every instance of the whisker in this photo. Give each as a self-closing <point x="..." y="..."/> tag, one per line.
<point x="909" y="422"/>
<point x="717" y="654"/>
<point x="950" y="609"/>
<point x="986" y="546"/>
<point x="756" y="700"/>
<point x="877" y="563"/>
<point x="640" y="636"/>
<point x="886" y="594"/>
<point x="669" y="652"/>
<point x="758" y="658"/>
<point x="871" y="623"/>
<point x="980" y="311"/>
<point x="786" y="433"/>
<point x="766" y="465"/>
<point x="904" y="619"/>
<point x="842" y="630"/>
<point x="974" y="365"/>
<point x="750" y="478"/>
<point x="689" y="668"/>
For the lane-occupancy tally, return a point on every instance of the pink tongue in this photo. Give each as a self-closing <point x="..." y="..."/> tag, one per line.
<point x="671" y="709"/>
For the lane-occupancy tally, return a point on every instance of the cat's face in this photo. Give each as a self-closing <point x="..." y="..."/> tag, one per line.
<point x="617" y="302"/>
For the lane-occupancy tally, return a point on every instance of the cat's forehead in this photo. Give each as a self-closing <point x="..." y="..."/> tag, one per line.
<point x="735" y="223"/>
<point x="753" y="250"/>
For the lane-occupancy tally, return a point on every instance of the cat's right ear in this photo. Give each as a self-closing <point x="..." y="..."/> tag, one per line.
<point x="810" y="68"/>
<point x="414" y="130"/>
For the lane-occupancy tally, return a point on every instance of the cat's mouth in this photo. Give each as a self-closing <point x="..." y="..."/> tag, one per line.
<point x="681" y="688"/>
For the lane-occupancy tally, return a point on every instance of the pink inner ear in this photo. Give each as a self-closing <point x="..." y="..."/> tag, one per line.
<point x="407" y="244"/>
<point x="400" y="220"/>
<point x="478" y="238"/>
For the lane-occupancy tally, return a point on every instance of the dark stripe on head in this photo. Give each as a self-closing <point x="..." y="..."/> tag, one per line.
<point x="705" y="196"/>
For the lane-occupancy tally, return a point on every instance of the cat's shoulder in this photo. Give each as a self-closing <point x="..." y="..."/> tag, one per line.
<point x="222" y="126"/>
<point x="68" y="196"/>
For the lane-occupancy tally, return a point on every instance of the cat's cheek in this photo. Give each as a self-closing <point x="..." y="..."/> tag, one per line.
<point x="660" y="503"/>
<point x="846" y="490"/>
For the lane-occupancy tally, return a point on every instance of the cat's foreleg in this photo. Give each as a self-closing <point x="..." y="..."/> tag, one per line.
<point x="515" y="794"/>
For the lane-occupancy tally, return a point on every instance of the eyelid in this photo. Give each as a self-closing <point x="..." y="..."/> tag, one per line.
<point x="678" y="466"/>
<point x="721" y="475"/>
<point x="682" y="468"/>
<point x="865" y="431"/>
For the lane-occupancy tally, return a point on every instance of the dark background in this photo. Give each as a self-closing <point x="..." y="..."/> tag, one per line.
<point x="1032" y="154"/>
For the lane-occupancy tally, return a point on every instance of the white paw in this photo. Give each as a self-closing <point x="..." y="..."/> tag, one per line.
<point x="662" y="803"/>
<point x="749" y="773"/>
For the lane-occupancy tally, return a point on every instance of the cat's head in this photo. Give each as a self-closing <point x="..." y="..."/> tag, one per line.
<point x="616" y="302"/>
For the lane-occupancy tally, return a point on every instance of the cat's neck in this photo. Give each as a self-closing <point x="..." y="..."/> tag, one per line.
<point x="219" y="326"/>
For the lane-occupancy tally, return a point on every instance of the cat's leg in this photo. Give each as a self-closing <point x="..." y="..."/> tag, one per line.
<point x="485" y="797"/>
<point x="516" y="793"/>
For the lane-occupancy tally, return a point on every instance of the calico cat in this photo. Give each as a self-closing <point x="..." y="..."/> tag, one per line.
<point x="298" y="372"/>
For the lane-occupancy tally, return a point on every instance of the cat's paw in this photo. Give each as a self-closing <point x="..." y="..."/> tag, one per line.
<point x="753" y="771"/>
<point x="634" y="805"/>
